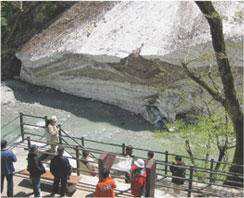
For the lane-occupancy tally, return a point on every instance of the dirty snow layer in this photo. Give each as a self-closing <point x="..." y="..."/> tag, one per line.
<point x="162" y="26"/>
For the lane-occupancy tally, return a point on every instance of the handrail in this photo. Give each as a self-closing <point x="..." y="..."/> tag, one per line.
<point x="135" y="148"/>
<point x="32" y="116"/>
<point x="14" y="139"/>
<point x="68" y="144"/>
<point x="9" y="122"/>
<point x="10" y="132"/>
<point x="190" y="179"/>
<point x="207" y="171"/>
<point x="196" y="168"/>
<point x="75" y="141"/>
<point x="34" y="125"/>
<point x="159" y="152"/>
<point x="202" y="182"/>
<point x="186" y="167"/>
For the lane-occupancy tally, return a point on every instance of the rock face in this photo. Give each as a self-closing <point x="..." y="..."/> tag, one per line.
<point x="130" y="57"/>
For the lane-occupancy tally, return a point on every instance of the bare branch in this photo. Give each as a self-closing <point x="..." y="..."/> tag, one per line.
<point x="216" y="95"/>
<point x="187" y="55"/>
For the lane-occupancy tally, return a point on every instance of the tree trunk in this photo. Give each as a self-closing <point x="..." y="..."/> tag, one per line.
<point x="230" y="100"/>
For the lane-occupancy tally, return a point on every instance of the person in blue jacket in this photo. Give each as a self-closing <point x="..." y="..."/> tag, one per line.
<point x="7" y="168"/>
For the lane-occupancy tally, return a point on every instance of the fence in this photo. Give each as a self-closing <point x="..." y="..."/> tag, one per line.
<point x="206" y="185"/>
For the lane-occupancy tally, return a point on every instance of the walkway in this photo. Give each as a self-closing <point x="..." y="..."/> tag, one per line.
<point x="85" y="188"/>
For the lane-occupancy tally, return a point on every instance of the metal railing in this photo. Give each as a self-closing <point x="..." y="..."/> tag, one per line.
<point x="210" y="178"/>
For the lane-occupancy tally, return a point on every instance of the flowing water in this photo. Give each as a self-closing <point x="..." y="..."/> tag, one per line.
<point x="84" y="118"/>
<point x="93" y="120"/>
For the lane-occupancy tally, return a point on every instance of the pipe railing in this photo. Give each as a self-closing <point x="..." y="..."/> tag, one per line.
<point x="196" y="168"/>
<point x="190" y="179"/>
<point x="10" y="132"/>
<point x="6" y="124"/>
<point x="81" y="146"/>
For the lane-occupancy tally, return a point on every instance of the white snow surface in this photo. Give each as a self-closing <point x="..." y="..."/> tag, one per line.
<point x="64" y="58"/>
<point x="163" y="26"/>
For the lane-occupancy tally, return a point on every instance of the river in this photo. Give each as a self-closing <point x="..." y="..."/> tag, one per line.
<point x="84" y="118"/>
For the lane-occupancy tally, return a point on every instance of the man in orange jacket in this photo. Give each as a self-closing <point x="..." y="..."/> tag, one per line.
<point x="106" y="187"/>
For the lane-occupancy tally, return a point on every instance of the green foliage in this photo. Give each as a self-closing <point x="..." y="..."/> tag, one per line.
<point x="203" y="132"/>
<point x="203" y="137"/>
<point x="207" y="58"/>
<point x="4" y="21"/>
<point x="216" y="15"/>
<point x="207" y="126"/>
<point x="19" y="22"/>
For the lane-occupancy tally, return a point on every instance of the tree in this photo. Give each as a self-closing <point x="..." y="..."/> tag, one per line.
<point x="20" y="20"/>
<point x="214" y="138"/>
<point x="228" y="98"/>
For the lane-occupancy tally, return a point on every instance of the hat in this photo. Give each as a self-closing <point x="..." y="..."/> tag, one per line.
<point x="3" y="144"/>
<point x="140" y="163"/>
<point x="54" y="118"/>
<point x="34" y="148"/>
<point x="178" y="157"/>
<point x="60" y="149"/>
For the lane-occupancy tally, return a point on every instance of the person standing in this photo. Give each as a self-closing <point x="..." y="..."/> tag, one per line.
<point x="129" y="154"/>
<point x="178" y="170"/>
<point x="85" y="164"/>
<point x="105" y="188"/>
<point x="36" y="169"/>
<point x="129" y="151"/>
<point x="7" y="168"/>
<point x="61" y="170"/>
<point x="53" y="131"/>
<point x="139" y="175"/>
<point x="150" y="155"/>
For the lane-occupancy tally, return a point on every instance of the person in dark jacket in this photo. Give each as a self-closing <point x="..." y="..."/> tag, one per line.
<point x="61" y="169"/>
<point x="36" y="169"/>
<point x="7" y="168"/>
<point x="150" y="155"/>
<point x="178" y="170"/>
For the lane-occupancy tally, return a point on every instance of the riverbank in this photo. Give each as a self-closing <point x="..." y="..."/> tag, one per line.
<point x="18" y="96"/>
<point x="82" y="117"/>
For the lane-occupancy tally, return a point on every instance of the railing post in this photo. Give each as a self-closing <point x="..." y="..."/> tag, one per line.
<point x="190" y="182"/>
<point x="60" y="135"/>
<point x="22" y="126"/>
<point x="101" y="164"/>
<point x="123" y="149"/>
<point x="77" y="159"/>
<point x="150" y="180"/>
<point x="83" y="141"/>
<point x="166" y="161"/>
<point x="28" y="142"/>
<point x="45" y="117"/>
<point x="211" y="170"/>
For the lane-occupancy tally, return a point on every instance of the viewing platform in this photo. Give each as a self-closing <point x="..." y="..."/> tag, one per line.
<point x="207" y="184"/>
<point x="85" y="187"/>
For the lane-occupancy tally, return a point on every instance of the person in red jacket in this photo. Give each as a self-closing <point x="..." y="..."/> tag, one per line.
<point x="106" y="187"/>
<point x="139" y="175"/>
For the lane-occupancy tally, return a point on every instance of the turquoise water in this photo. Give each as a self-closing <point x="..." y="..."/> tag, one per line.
<point x="86" y="118"/>
<point x="90" y="119"/>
